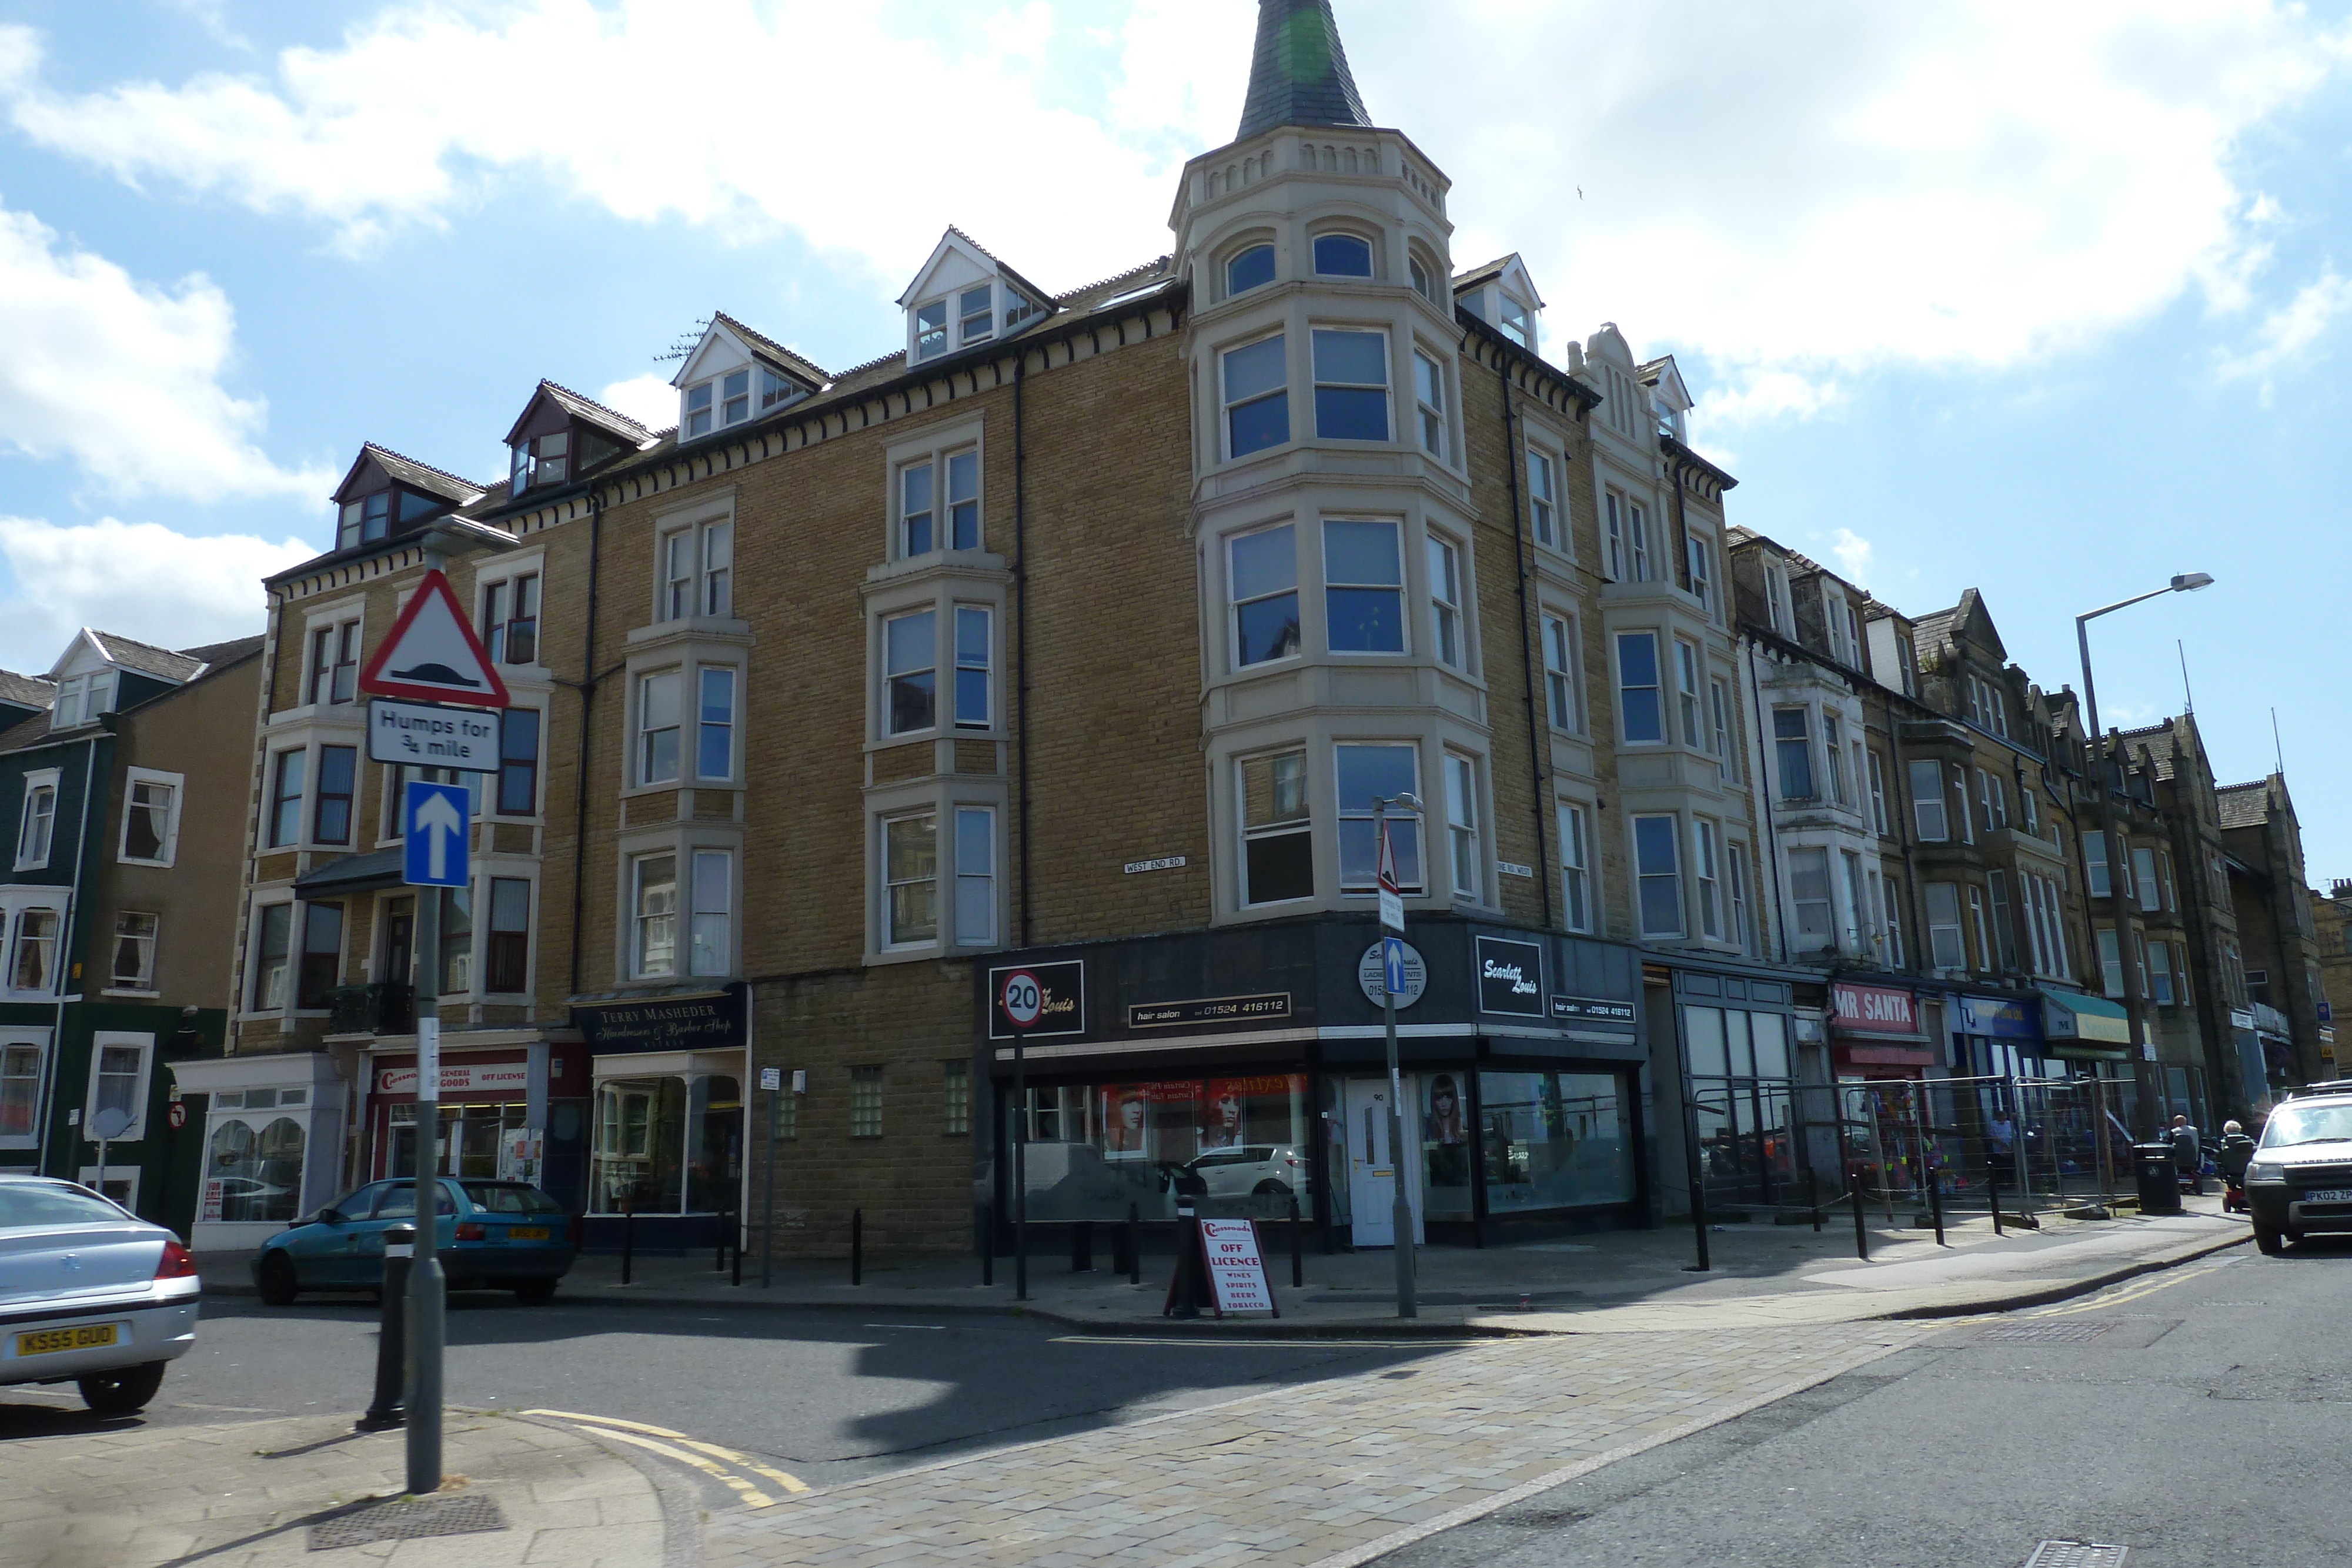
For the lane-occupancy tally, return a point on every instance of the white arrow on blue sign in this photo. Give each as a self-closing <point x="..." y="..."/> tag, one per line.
<point x="433" y="820"/>
<point x="1393" y="959"/>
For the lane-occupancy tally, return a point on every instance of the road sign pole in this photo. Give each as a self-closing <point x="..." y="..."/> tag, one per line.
<point x="1400" y="1205"/>
<point x="428" y="1287"/>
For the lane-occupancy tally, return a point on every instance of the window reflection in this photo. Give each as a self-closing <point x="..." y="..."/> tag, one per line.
<point x="1240" y="1144"/>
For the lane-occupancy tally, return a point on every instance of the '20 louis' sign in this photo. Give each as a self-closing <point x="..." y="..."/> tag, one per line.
<point x="1026" y="1001"/>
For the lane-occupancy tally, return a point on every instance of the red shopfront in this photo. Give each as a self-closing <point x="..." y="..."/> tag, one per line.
<point x="516" y="1113"/>
<point x="1875" y="1033"/>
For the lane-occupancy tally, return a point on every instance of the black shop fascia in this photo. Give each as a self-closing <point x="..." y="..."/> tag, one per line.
<point x="1250" y="1065"/>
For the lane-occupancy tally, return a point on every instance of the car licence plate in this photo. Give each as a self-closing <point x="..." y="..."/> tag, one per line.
<point x="49" y="1342"/>
<point x="526" y="1232"/>
<point x="2334" y="1194"/>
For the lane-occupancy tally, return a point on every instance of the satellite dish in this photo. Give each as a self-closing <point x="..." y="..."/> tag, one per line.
<point x="109" y="1123"/>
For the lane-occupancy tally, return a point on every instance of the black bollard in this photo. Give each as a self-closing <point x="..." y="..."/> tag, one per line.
<point x="1298" y="1250"/>
<point x="386" y="1411"/>
<point x="1134" y="1245"/>
<point x="1861" y="1220"/>
<point x="1813" y="1196"/>
<point x="856" y="1245"/>
<point x="1935" y="1200"/>
<point x="739" y="1228"/>
<point x="1082" y="1247"/>
<point x="1993" y="1191"/>
<point x="1188" y="1290"/>
<point x="987" y="1244"/>
<point x="628" y="1238"/>
<point x="718" y="1257"/>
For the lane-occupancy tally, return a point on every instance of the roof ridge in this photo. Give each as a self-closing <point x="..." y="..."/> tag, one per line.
<point x="429" y="467"/>
<point x="1157" y="261"/>
<point x="764" y="340"/>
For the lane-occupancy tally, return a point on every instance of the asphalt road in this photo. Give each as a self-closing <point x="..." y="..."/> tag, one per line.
<point x="823" y="1396"/>
<point x="2207" y="1421"/>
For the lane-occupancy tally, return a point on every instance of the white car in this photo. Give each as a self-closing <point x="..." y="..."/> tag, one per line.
<point x="89" y="1294"/>
<point x="1256" y="1170"/>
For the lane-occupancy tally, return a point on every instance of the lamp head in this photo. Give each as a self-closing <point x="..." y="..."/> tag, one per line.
<point x="1408" y="803"/>
<point x="2188" y="581"/>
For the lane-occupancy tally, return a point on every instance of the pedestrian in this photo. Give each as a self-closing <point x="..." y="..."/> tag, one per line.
<point x="2237" y="1149"/>
<point x="2188" y="1155"/>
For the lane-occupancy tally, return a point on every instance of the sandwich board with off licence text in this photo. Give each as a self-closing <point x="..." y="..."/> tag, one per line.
<point x="1235" y="1268"/>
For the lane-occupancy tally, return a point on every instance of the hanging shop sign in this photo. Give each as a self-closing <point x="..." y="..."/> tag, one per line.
<point x="1510" y="976"/>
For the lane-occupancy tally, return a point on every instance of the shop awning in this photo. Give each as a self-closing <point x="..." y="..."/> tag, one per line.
<point x="351" y="873"/>
<point x="2070" y="1016"/>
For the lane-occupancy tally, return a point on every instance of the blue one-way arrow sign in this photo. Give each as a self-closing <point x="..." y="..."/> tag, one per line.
<point x="433" y="822"/>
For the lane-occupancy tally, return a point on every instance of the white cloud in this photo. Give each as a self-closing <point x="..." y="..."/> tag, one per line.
<point x="649" y="399"/>
<point x="1796" y="198"/>
<point x="2290" y="331"/>
<point x="142" y="579"/>
<point x="124" y="377"/>
<point x="1853" y="552"/>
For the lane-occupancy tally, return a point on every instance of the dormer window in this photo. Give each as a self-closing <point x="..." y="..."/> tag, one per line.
<point x="1518" y="322"/>
<point x="1343" y="256"/>
<point x="1252" y="268"/>
<point x="727" y="400"/>
<point x="932" y="330"/>
<point x="365" y="521"/>
<point x="976" y="315"/>
<point x="542" y="460"/>
<point x="81" y="698"/>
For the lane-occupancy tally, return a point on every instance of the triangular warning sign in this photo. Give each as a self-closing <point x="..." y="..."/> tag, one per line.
<point x="1388" y="862"/>
<point x="432" y="655"/>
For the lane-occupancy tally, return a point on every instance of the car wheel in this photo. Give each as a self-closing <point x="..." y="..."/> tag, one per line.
<point x="275" y="1280"/>
<point x="1270" y="1188"/>
<point x="2269" y="1241"/>
<point x="535" y="1293"/>
<point x="124" y="1391"/>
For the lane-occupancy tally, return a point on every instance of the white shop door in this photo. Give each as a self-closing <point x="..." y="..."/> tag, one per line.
<point x="1372" y="1167"/>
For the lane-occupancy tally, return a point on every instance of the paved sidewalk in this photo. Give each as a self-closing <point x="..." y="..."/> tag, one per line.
<point x="1331" y="1475"/>
<point x="1613" y="1280"/>
<point x="247" y="1495"/>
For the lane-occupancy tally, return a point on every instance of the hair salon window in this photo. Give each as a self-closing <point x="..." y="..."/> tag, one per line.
<point x="1245" y="1144"/>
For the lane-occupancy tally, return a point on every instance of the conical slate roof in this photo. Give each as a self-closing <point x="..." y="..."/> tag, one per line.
<point x="1298" y="75"/>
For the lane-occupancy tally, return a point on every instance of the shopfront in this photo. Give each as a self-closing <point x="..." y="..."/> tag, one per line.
<point x="666" y="1127"/>
<point x="508" y="1112"/>
<point x="273" y="1149"/>
<point x="1737" y="1055"/>
<point x="1249" y="1068"/>
<point x="2001" y="1037"/>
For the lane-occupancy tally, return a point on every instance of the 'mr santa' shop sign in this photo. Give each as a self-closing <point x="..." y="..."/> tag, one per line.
<point x="1872" y="1009"/>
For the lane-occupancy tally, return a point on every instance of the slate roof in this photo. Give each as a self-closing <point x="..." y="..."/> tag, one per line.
<point x="596" y="413"/>
<point x="215" y="654"/>
<point x="30" y="691"/>
<point x="1477" y="274"/>
<point x="2245" y="805"/>
<point x="2157" y="741"/>
<point x="423" y="476"/>
<point x="1298" y="72"/>
<point x="146" y="658"/>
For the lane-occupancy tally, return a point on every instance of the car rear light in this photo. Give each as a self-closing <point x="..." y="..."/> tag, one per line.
<point x="576" y="1232"/>
<point x="471" y="1231"/>
<point x="178" y="1263"/>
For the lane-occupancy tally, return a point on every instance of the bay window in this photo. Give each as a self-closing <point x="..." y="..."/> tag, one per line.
<point x="910" y="853"/>
<point x="507" y="965"/>
<point x="285" y="802"/>
<point x="653" y="899"/>
<point x="1793" y="751"/>
<point x="518" y="792"/>
<point x="973" y="648"/>
<point x="1559" y="673"/>
<point x="1977" y="925"/>
<point x="657" y="727"/>
<point x="2159" y="973"/>
<point x="1687" y="690"/>
<point x="1363" y="587"/>
<point x="1262" y="576"/>
<point x="1343" y="256"/>
<point x="1927" y="807"/>
<point x="1808" y="888"/>
<point x="1429" y="401"/>
<point x="1351" y="385"/>
<point x="2095" y="863"/>
<point x="1462" y="825"/>
<point x="1708" y="879"/>
<point x="339" y="768"/>
<point x="1277" y="862"/>
<point x="1833" y="752"/>
<point x="714" y="744"/>
<point x="1639" y="705"/>
<point x="975" y="888"/>
<point x="1256" y="383"/>
<point x="2111" y="962"/>
<point x="710" y="932"/>
<point x="322" y="954"/>
<point x="1947" y="947"/>
<point x="272" y="944"/>
<point x="1368" y="773"/>
<point x="1252" y="267"/>
<point x="33" y="966"/>
<point x="910" y="667"/>
<point x="1657" y="869"/>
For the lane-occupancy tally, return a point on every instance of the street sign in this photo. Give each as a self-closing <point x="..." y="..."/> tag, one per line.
<point x="434" y="822"/>
<point x="772" y="1080"/>
<point x="1393" y="964"/>
<point x="426" y="735"/>
<point x="432" y="655"/>
<point x="1371" y="974"/>
<point x="1392" y="895"/>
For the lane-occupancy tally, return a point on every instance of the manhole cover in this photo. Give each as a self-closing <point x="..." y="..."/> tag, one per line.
<point x="2075" y="1555"/>
<point x="410" y="1520"/>
<point x="2053" y="1334"/>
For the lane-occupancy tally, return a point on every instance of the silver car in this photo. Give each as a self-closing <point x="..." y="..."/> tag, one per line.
<point x="89" y="1294"/>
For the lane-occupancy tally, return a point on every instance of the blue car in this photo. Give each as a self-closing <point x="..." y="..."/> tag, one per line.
<point x="494" y="1235"/>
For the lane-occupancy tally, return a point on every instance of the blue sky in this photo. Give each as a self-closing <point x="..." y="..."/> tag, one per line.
<point x="2042" y="300"/>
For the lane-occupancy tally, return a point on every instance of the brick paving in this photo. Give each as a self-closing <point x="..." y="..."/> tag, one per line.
<point x="1320" y="1477"/>
<point x="237" y="1494"/>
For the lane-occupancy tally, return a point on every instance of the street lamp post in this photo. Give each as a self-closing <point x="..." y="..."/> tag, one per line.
<point x="2148" y="1101"/>
<point x="1401" y="1204"/>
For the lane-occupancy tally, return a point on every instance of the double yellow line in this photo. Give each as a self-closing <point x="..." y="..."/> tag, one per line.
<point x="686" y="1450"/>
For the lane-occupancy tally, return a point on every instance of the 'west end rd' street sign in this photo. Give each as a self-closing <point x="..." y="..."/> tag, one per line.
<point x="426" y="735"/>
<point x="432" y="655"/>
<point x="434" y="820"/>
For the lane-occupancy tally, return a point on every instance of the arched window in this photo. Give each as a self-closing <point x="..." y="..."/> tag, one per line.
<point x="1422" y="283"/>
<point x="1249" y="269"/>
<point x="260" y="1178"/>
<point x="1343" y="256"/>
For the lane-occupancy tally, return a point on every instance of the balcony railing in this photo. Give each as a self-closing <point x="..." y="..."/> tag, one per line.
<point x="388" y="1007"/>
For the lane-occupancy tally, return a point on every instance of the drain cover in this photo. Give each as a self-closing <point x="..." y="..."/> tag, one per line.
<point x="409" y="1521"/>
<point x="2053" y="1334"/>
<point x="2075" y="1555"/>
